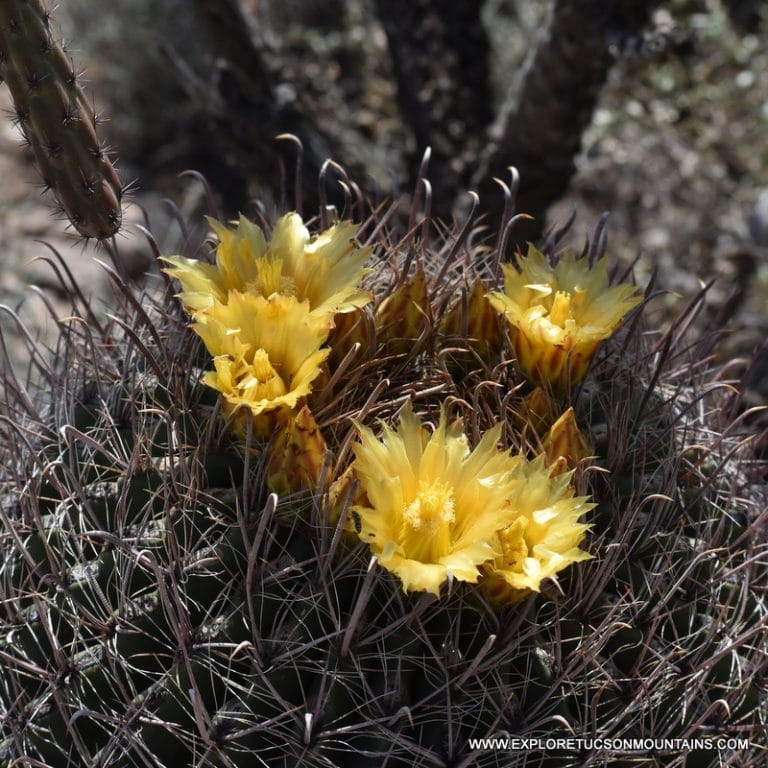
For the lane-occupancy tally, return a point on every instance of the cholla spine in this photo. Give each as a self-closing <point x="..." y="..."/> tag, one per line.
<point x="57" y="121"/>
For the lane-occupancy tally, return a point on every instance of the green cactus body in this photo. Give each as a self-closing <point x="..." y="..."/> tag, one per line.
<point x="57" y="120"/>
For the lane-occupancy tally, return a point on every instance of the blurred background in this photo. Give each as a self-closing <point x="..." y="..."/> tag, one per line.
<point x="656" y="112"/>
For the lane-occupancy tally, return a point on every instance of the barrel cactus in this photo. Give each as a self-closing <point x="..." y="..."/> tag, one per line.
<point x="380" y="539"/>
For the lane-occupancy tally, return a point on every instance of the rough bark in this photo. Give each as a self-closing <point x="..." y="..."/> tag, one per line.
<point x="540" y="126"/>
<point x="439" y="52"/>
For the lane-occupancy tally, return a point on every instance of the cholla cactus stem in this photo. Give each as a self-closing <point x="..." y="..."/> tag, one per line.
<point x="57" y="121"/>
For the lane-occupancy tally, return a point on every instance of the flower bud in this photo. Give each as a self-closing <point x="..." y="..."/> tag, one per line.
<point x="403" y="316"/>
<point x="565" y="444"/>
<point x="296" y="456"/>
<point x="475" y="323"/>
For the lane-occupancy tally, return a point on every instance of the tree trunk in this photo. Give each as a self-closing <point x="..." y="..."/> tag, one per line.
<point x="540" y="127"/>
<point x="244" y="116"/>
<point x="439" y="51"/>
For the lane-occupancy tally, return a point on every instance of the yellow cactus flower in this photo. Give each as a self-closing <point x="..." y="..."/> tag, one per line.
<point x="324" y="270"/>
<point x="266" y="353"/>
<point x="296" y="456"/>
<point x="433" y="505"/>
<point x="560" y="314"/>
<point x="542" y="537"/>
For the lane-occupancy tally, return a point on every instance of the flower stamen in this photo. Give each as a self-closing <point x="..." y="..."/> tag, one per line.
<point x="431" y="514"/>
<point x="262" y="381"/>
<point x="561" y="309"/>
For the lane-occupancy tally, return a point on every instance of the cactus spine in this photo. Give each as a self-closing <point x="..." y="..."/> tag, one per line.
<point x="57" y="121"/>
